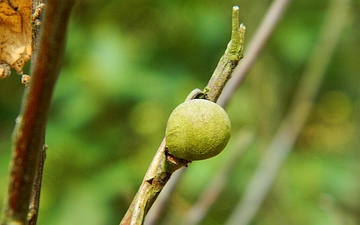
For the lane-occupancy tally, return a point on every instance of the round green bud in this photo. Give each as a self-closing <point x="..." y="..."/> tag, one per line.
<point x="197" y="129"/>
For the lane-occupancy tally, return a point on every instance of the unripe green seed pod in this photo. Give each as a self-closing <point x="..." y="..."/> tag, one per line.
<point x="197" y="129"/>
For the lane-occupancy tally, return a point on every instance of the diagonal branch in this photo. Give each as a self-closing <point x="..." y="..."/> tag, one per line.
<point x="254" y="48"/>
<point x="163" y="165"/>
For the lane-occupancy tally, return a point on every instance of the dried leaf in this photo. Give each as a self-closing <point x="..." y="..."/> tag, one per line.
<point x="15" y="35"/>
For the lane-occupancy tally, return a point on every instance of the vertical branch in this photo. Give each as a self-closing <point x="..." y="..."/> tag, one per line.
<point x="36" y="9"/>
<point x="35" y="196"/>
<point x="29" y="131"/>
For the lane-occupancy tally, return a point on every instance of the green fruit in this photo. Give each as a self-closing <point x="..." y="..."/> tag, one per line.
<point x="197" y="129"/>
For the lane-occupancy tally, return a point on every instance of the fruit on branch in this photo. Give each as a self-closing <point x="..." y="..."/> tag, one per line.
<point x="197" y="129"/>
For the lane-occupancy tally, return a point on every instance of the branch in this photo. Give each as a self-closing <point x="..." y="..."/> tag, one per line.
<point x="29" y="131"/>
<point x="255" y="47"/>
<point x="35" y="196"/>
<point x="228" y="61"/>
<point x="292" y="124"/>
<point x="163" y="165"/>
<point x="209" y="196"/>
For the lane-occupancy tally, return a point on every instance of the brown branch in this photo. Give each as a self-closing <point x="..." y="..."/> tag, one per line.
<point x="29" y="132"/>
<point x="35" y="196"/>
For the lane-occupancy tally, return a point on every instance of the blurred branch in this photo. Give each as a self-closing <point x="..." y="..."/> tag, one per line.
<point x="163" y="164"/>
<point x="29" y="132"/>
<point x="292" y="124"/>
<point x="209" y="196"/>
<point x="256" y="45"/>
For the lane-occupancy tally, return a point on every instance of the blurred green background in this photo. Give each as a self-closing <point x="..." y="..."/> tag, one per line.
<point x="129" y="63"/>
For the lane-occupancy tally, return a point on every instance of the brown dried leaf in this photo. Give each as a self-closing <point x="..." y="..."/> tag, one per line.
<point x="15" y="35"/>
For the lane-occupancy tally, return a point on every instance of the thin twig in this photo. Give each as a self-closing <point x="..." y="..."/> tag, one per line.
<point x="37" y="9"/>
<point x="228" y="62"/>
<point x="163" y="164"/>
<point x="28" y="135"/>
<point x="36" y="12"/>
<point x="254" y="48"/>
<point x="294" y="121"/>
<point x="35" y="196"/>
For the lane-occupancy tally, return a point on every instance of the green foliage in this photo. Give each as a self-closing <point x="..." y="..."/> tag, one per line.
<point x="129" y="63"/>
